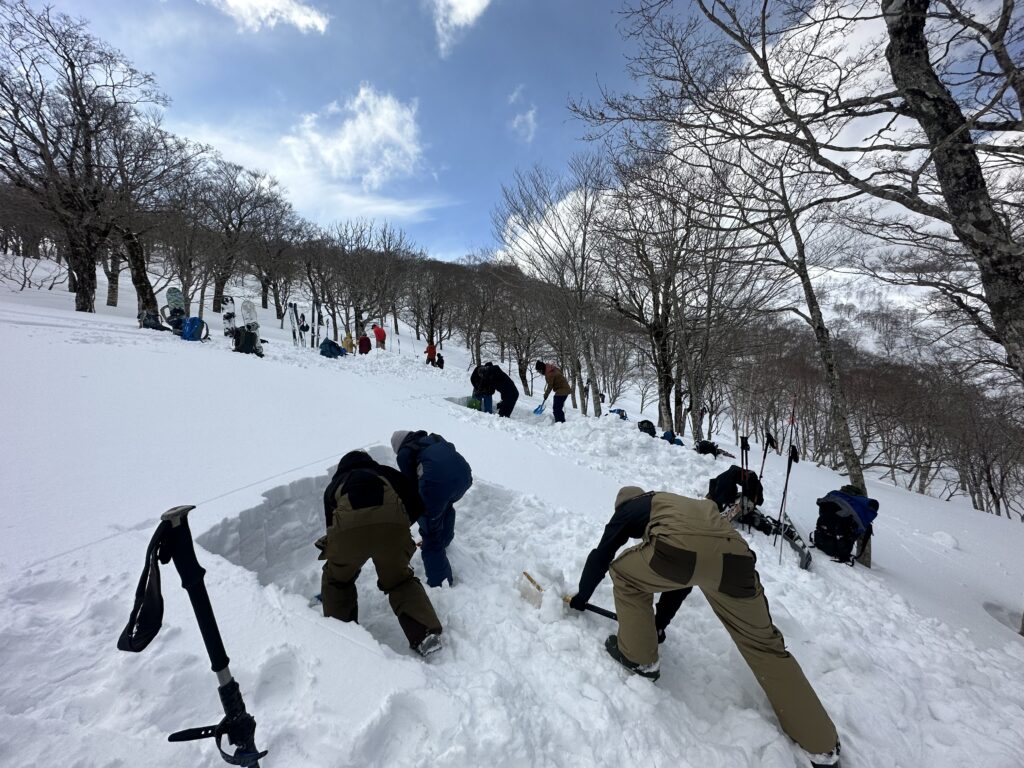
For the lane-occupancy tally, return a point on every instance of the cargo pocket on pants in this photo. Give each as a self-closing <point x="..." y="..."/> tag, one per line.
<point x="739" y="577"/>
<point x="673" y="563"/>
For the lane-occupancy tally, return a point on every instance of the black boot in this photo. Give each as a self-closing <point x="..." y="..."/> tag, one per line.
<point x="650" y="671"/>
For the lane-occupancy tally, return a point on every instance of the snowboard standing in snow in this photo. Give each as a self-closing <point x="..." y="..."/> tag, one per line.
<point x="228" y="314"/>
<point x="174" y="311"/>
<point x="293" y="318"/>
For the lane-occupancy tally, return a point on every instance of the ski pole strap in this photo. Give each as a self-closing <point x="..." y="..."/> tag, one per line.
<point x="147" y="614"/>
<point x="238" y="725"/>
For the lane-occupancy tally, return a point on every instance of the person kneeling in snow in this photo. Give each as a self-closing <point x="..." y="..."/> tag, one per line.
<point x="442" y="476"/>
<point x="630" y="521"/>
<point x="687" y="543"/>
<point x="368" y="508"/>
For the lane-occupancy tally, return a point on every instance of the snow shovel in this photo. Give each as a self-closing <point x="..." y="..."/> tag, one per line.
<point x="566" y="598"/>
<point x="539" y="410"/>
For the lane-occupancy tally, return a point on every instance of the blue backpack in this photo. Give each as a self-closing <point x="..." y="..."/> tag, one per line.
<point x="192" y="329"/>
<point x="329" y="348"/>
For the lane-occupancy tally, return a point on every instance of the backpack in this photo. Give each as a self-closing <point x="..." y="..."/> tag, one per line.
<point x="150" y="320"/>
<point x="647" y="427"/>
<point x="192" y="329"/>
<point x="329" y="348"/>
<point x="706" y="448"/>
<point x="176" y="318"/>
<point x="246" y="341"/>
<point x="722" y="489"/>
<point x="843" y="520"/>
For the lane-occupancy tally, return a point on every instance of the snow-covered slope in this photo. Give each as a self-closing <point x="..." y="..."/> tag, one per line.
<point x="106" y="426"/>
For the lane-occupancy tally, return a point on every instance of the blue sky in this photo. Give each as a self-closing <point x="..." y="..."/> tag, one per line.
<point x="414" y="111"/>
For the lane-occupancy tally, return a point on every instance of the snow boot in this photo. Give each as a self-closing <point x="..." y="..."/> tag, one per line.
<point x="827" y="759"/>
<point x="430" y="644"/>
<point x="650" y="671"/>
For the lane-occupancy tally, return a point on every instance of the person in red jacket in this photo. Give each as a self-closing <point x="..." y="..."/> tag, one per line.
<point x="431" y="353"/>
<point x="380" y="335"/>
<point x="364" y="344"/>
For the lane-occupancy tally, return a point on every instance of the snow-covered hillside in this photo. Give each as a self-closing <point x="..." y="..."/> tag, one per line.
<point x="106" y="426"/>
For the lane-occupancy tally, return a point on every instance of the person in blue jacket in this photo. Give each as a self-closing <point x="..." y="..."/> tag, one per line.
<point x="443" y="476"/>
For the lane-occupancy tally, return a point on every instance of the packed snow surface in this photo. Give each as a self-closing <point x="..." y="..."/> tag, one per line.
<point x="106" y="426"/>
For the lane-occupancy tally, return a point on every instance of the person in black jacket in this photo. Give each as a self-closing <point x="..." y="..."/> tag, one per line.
<point x="488" y="379"/>
<point x="368" y="508"/>
<point x="629" y="521"/>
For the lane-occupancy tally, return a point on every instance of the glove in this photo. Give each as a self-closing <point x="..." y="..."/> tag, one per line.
<point x="578" y="603"/>
<point x="438" y="569"/>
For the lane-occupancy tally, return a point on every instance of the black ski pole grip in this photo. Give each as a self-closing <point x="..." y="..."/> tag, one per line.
<point x="184" y="555"/>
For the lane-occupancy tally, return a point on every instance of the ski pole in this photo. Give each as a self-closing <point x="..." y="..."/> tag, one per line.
<point x="769" y="442"/>
<point x="173" y="541"/>
<point x="794" y="457"/>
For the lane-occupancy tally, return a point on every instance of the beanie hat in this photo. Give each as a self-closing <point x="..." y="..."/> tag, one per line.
<point x="398" y="438"/>
<point x="626" y="493"/>
<point x="539" y="367"/>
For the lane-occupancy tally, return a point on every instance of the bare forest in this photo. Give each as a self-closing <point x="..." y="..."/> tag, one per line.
<point x="776" y="230"/>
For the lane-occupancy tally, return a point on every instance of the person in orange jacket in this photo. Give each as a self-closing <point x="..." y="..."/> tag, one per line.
<point x="380" y="334"/>
<point x="431" y="353"/>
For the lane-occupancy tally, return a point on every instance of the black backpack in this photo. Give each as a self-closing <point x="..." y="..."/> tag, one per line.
<point x="835" y="535"/>
<point x="246" y="341"/>
<point x="647" y="427"/>
<point x="843" y="520"/>
<point x="706" y="448"/>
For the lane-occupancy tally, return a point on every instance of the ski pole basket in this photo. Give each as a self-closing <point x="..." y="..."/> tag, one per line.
<point x="172" y="541"/>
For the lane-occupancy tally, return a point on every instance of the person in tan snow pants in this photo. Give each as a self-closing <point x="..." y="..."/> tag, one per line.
<point x="688" y="543"/>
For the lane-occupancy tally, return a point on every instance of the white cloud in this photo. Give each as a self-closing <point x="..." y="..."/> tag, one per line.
<point x="516" y="93"/>
<point x="451" y="17"/>
<point x="334" y="162"/>
<point x="524" y="125"/>
<point x="253" y="15"/>
<point x="376" y="140"/>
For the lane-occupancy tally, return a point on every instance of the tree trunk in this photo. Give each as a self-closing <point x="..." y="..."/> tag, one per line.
<point x="679" y="425"/>
<point x="113" y="284"/>
<point x="838" y="408"/>
<point x="588" y="358"/>
<point x="202" y="296"/>
<point x="974" y="218"/>
<point x="220" y="282"/>
<point x="521" y="364"/>
<point x="265" y="293"/>
<point x="135" y="255"/>
<point x="82" y="264"/>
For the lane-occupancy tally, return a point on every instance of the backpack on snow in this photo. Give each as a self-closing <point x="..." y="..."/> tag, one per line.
<point x="647" y="427"/>
<point x="192" y="329"/>
<point x="332" y="349"/>
<point x="843" y="521"/>
<point x="150" y="320"/>
<point x="246" y="341"/>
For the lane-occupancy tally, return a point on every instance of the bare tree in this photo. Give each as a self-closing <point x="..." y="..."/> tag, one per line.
<point x="546" y="223"/>
<point x="64" y="96"/>
<point x="929" y="122"/>
<point x="233" y="200"/>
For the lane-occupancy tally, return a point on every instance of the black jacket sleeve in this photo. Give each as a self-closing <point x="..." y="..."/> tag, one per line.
<point x="629" y="522"/>
<point x="407" y="491"/>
